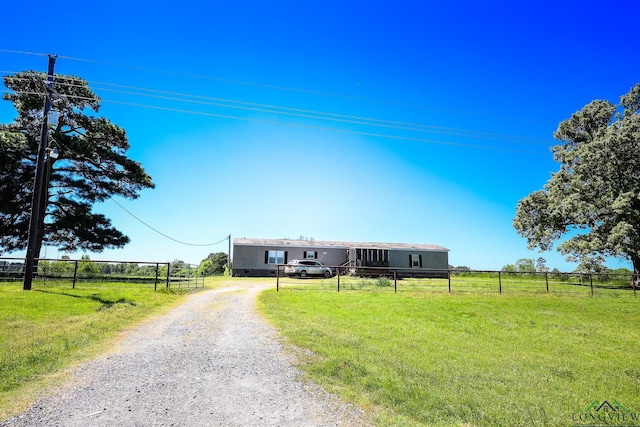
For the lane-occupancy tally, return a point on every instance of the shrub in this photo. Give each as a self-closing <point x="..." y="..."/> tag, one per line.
<point x="383" y="282"/>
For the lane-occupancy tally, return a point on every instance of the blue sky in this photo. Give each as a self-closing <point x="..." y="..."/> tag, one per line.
<point x="461" y="100"/>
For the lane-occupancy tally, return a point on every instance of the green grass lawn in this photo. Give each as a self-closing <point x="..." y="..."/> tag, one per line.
<point x="469" y="358"/>
<point x="44" y="330"/>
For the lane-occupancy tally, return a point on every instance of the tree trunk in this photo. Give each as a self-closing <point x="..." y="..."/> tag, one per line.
<point x="635" y="281"/>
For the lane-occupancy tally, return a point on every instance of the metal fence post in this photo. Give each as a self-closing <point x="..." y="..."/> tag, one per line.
<point x="395" y="281"/>
<point x="75" y="274"/>
<point x="591" y="282"/>
<point x="500" y="280"/>
<point x="168" y="274"/>
<point x="338" y="279"/>
<point x="449" y="278"/>
<point x="155" y="283"/>
<point x="278" y="278"/>
<point x="546" y="277"/>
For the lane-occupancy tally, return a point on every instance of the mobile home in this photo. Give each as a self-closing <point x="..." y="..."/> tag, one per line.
<point x="261" y="257"/>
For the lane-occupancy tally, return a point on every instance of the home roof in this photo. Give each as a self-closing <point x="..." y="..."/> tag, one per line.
<point x="332" y="244"/>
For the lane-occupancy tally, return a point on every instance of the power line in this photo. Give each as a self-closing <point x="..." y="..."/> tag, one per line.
<point x="272" y="86"/>
<point x="320" y="115"/>
<point x="302" y="113"/>
<point x="315" y="115"/>
<point x="23" y="52"/>
<point x="349" y="131"/>
<point x="356" y="120"/>
<point x="306" y="126"/>
<point x="298" y="112"/>
<point x="164" y="235"/>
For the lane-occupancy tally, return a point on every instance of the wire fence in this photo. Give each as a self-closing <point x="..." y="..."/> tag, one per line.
<point x="459" y="281"/>
<point x="74" y="273"/>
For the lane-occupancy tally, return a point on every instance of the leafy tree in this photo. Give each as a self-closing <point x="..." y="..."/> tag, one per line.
<point x="86" y="267"/>
<point x="58" y="267"/>
<point x="541" y="265"/>
<point x="178" y="264"/>
<point x="525" y="265"/>
<point x="91" y="167"/>
<point x="180" y="268"/>
<point x="622" y="271"/>
<point x="119" y="268"/>
<point x="509" y="268"/>
<point x="591" y="266"/>
<point x="106" y="268"/>
<point x="213" y="264"/>
<point x="205" y="267"/>
<point x="595" y="196"/>
<point x="131" y="269"/>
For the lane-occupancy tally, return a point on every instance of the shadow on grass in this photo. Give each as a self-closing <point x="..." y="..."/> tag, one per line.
<point x="106" y="303"/>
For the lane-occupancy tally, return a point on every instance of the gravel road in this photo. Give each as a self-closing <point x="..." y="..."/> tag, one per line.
<point x="212" y="361"/>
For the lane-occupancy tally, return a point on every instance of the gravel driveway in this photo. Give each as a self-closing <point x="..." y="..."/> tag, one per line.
<point x="212" y="361"/>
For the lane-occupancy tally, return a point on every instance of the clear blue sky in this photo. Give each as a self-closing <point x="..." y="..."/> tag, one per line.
<point x="465" y="96"/>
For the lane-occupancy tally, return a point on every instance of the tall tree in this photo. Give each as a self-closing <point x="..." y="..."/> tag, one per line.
<point x="541" y="265"/>
<point x="214" y="264"/>
<point x="91" y="166"/>
<point x="595" y="196"/>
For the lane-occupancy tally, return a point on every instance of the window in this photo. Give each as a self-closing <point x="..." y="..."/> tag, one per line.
<point x="310" y="254"/>
<point x="415" y="261"/>
<point x="275" y="257"/>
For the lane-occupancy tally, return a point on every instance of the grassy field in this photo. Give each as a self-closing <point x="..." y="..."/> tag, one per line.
<point x="420" y="356"/>
<point x="476" y="357"/>
<point x="47" y="329"/>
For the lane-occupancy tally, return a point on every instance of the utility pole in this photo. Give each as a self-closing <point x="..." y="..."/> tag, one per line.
<point x="229" y="255"/>
<point x="36" y="200"/>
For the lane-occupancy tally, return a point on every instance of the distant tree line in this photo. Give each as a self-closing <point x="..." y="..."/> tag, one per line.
<point x="88" y="268"/>
<point x="214" y="264"/>
<point x="526" y="265"/>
